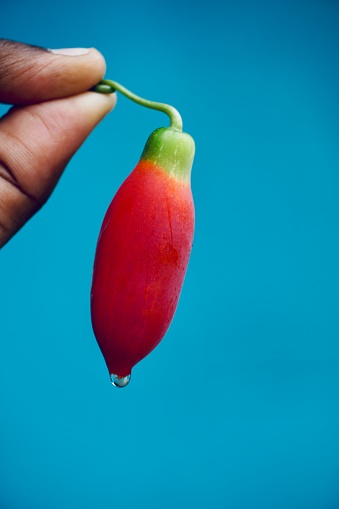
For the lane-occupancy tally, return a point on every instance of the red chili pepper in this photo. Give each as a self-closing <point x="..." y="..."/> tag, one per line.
<point x="143" y="248"/>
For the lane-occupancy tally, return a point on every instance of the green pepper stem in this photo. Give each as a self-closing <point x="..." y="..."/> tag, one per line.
<point x="109" y="86"/>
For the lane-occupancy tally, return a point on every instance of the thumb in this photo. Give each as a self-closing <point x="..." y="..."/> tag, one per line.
<point x="30" y="74"/>
<point x="36" y="143"/>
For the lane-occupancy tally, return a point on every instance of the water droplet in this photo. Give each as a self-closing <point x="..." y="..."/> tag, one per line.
<point x="119" y="381"/>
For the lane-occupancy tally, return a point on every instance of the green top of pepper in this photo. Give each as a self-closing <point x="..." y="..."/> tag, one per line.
<point x="167" y="147"/>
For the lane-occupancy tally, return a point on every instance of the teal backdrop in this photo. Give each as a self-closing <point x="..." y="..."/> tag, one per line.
<point x="238" y="407"/>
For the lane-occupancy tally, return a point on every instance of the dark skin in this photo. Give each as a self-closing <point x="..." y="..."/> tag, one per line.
<point x="53" y="114"/>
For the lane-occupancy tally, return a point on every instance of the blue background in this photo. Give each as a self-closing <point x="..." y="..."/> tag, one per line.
<point x="239" y="405"/>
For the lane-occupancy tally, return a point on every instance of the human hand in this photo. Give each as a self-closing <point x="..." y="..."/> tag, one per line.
<point x="52" y="116"/>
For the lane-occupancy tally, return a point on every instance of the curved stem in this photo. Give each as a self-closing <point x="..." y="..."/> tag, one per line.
<point x="109" y="86"/>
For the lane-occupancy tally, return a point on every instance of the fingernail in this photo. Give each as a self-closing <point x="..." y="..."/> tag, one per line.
<point x="70" y="52"/>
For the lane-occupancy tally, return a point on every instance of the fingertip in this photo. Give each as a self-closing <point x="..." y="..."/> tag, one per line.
<point x="98" y="59"/>
<point x="94" y="106"/>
